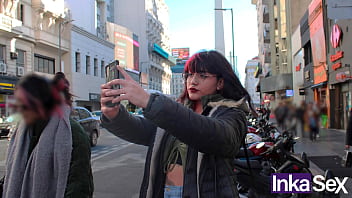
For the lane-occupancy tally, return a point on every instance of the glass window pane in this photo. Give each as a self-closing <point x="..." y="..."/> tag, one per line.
<point x="36" y="64"/>
<point x="46" y="66"/>
<point x="41" y="65"/>
<point x="51" y="67"/>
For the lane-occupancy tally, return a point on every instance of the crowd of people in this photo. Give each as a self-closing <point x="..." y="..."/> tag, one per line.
<point x="302" y="119"/>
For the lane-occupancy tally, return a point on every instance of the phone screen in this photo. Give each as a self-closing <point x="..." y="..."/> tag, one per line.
<point x="111" y="73"/>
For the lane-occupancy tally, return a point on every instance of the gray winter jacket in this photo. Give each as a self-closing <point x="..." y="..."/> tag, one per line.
<point x="213" y="140"/>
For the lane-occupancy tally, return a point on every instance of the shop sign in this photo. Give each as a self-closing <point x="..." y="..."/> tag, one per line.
<point x="336" y="66"/>
<point x="94" y="97"/>
<point x="298" y="67"/>
<point x="337" y="56"/>
<point x="335" y="36"/>
<point x="342" y="76"/>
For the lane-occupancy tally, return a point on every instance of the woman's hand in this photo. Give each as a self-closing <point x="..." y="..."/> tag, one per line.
<point x="109" y="112"/>
<point x="130" y="90"/>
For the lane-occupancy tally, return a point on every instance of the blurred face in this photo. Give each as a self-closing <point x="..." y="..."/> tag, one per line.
<point x="202" y="84"/>
<point x="30" y="116"/>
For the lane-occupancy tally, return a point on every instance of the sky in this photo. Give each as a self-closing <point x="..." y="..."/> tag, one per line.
<point x="192" y="25"/>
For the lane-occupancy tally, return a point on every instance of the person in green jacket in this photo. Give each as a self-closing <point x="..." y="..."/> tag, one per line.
<point x="49" y="154"/>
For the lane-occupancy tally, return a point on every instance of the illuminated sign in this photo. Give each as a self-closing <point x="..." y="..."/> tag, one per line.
<point x="335" y="36"/>
<point x="336" y="66"/>
<point x="343" y="76"/>
<point x="298" y="67"/>
<point x="181" y="53"/>
<point x="337" y="56"/>
<point x="289" y="93"/>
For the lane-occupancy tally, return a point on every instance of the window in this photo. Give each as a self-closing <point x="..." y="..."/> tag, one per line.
<point x="95" y="67"/>
<point x="307" y="54"/>
<point x="20" y="61"/>
<point x="20" y="12"/>
<point x="2" y="53"/>
<point x="83" y="114"/>
<point x="44" y="64"/>
<point x="102" y="69"/>
<point x="88" y="65"/>
<point x="78" y="62"/>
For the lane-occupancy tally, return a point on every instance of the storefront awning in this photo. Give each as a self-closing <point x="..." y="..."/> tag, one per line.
<point x="318" y="85"/>
<point x="7" y="84"/>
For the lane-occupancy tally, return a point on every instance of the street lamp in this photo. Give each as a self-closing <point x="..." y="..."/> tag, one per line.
<point x="233" y="36"/>
<point x="62" y="23"/>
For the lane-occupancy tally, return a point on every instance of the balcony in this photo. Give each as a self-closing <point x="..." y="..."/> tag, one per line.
<point x="9" y="25"/>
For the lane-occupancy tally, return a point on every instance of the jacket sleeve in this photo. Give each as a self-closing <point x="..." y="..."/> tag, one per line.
<point x="80" y="178"/>
<point x="221" y="135"/>
<point x="132" y="128"/>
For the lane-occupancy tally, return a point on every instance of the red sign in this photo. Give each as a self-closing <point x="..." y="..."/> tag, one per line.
<point x="342" y="76"/>
<point x="298" y="67"/>
<point x="336" y="66"/>
<point x="337" y="56"/>
<point x="181" y="53"/>
<point x="335" y="36"/>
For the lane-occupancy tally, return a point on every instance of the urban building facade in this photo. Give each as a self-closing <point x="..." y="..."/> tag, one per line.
<point x="149" y="20"/>
<point x="339" y="38"/>
<point x="177" y="81"/>
<point x="251" y="81"/>
<point x="29" y="42"/>
<point x="90" y="51"/>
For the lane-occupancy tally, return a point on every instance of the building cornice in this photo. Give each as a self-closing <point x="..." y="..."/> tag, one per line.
<point x="92" y="36"/>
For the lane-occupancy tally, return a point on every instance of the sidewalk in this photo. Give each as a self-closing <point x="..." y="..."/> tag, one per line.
<point x="330" y="143"/>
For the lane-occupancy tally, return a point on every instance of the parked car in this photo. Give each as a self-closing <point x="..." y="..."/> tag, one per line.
<point x="88" y="122"/>
<point x="96" y="115"/>
<point x="9" y="125"/>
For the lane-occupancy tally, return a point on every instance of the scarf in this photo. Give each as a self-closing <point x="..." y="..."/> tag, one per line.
<point x="44" y="173"/>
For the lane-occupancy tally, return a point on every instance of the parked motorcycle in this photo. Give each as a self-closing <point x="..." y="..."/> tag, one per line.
<point x="274" y="158"/>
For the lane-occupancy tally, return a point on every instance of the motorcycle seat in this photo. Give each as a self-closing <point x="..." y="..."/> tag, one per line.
<point x="255" y="164"/>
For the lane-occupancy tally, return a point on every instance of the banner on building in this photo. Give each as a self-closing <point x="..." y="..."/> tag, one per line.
<point x="317" y="36"/>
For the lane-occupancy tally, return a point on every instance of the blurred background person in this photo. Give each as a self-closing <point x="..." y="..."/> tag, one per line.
<point x="300" y="119"/>
<point x="312" y="117"/>
<point x="349" y="131"/>
<point x="49" y="153"/>
<point x="280" y="114"/>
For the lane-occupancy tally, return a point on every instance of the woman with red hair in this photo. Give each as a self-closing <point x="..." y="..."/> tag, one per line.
<point x="193" y="141"/>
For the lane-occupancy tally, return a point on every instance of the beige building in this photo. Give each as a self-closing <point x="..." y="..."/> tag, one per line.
<point x="29" y="42"/>
<point x="283" y="17"/>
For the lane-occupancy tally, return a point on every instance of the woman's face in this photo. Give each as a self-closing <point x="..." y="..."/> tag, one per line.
<point x="29" y="115"/>
<point x="202" y="84"/>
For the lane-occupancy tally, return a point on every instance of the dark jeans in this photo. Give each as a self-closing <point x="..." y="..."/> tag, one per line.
<point x="313" y="133"/>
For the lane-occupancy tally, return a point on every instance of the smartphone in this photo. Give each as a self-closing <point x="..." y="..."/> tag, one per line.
<point x="111" y="73"/>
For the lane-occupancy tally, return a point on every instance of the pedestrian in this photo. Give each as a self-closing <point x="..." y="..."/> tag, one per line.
<point x="280" y="114"/>
<point x="349" y="131"/>
<point x="49" y="153"/>
<point x="300" y="119"/>
<point x="312" y="122"/>
<point x="193" y="141"/>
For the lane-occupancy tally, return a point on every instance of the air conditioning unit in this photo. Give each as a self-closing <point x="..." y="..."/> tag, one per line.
<point x="20" y="71"/>
<point x="3" y="67"/>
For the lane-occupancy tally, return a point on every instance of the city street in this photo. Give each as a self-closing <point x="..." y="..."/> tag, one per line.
<point x="118" y="165"/>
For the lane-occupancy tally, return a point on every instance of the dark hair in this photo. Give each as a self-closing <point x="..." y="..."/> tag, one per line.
<point x="62" y="85"/>
<point x="215" y="63"/>
<point x="38" y="92"/>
